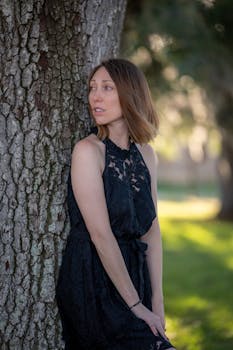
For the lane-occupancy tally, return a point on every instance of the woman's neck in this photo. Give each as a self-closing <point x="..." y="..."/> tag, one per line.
<point x="119" y="134"/>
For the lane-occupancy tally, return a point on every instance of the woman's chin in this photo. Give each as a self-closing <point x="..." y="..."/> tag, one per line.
<point x="100" y="123"/>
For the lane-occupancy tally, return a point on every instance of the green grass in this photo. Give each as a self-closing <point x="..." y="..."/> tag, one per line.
<point x="181" y="192"/>
<point x="198" y="274"/>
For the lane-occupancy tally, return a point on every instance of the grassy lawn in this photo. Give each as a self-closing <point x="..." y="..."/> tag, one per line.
<point x="198" y="274"/>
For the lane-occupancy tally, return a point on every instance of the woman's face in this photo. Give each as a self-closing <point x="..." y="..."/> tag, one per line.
<point x="103" y="98"/>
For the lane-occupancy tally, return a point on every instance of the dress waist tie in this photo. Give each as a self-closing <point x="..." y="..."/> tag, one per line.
<point x="135" y="243"/>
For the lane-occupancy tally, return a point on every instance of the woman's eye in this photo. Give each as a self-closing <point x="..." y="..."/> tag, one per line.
<point x="105" y="87"/>
<point x="108" y="87"/>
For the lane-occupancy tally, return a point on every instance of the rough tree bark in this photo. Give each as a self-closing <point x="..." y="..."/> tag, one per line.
<point x="225" y="174"/>
<point x="47" y="49"/>
<point x="221" y="92"/>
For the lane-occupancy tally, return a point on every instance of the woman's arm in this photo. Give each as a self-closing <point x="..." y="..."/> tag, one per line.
<point x="87" y="183"/>
<point x="154" y="263"/>
<point x="153" y="239"/>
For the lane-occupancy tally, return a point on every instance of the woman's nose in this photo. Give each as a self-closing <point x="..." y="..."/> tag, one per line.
<point x="97" y="95"/>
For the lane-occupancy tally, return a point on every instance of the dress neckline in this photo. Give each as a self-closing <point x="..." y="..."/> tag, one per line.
<point x="118" y="149"/>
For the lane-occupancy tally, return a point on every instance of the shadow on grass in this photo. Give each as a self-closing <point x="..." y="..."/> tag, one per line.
<point x="198" y="275"/>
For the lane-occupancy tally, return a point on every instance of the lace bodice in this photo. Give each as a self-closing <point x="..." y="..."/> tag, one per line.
<point x="123" y="167"/>
<point x="127" y="186"/>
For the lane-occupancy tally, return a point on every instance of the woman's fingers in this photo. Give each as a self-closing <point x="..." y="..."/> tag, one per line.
<point x="154" y="330"/>
<point x="162" y="333"/>
<point x="158" y="329"/>
<point x="155" y="323"/>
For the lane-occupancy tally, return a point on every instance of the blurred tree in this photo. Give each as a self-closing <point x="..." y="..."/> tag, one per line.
<point x="47" y="48"/>
<point x="195" y="37"/>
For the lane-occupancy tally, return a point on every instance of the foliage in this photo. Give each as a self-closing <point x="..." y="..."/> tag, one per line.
<point x="198" y="273"/>
<point x="185" y="50"/>
<point x="192" y="37"/>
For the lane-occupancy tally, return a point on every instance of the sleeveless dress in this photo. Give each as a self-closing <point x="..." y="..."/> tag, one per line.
<point x="94" y="316"/>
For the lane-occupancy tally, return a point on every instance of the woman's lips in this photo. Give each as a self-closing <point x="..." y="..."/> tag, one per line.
<point x="98" y="109"/>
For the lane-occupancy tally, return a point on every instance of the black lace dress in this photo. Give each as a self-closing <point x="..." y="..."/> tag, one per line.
<point x="93" y="314"/>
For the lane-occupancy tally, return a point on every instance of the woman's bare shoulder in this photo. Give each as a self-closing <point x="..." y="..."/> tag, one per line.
<point x="89" y="149"/>
<point x="89" y="145"/>
<point x="148" y="154"/>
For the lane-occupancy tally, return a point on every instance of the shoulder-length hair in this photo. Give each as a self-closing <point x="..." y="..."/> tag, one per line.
<point x="135" y="100"/>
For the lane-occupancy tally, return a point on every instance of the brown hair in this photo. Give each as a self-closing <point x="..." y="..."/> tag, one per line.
<point x="135" y="100"/>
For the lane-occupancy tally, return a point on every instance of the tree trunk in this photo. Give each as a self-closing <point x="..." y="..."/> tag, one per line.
<point x="47" y="49"/>
<point x="225" y="172"/>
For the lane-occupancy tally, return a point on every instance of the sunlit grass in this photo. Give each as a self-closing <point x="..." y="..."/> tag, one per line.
<point x="198" y="274"/>
<point x="191" y="208"/>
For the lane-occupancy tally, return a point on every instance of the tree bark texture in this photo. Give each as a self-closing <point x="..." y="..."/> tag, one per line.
<point x="47" y="49"/>
<point x="225" y="173"/>
<point x="221" y="92"/>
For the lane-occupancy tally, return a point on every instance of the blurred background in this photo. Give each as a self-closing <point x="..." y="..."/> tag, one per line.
<point x="185" y="51"/>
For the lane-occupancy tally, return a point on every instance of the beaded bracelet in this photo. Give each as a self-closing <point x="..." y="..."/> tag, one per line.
<point x="138" y="302"/>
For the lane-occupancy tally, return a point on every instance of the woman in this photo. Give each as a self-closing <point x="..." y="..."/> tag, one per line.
<point x="109" y="291"/>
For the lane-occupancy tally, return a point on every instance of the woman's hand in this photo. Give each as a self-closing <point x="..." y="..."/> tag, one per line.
<point x="153" y="320"/>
